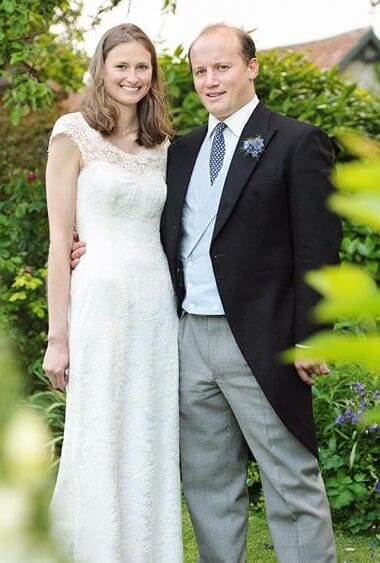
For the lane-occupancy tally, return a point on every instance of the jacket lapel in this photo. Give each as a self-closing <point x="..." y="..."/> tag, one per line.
<point x="180" y="175"/>
<point x="242" y="166"/>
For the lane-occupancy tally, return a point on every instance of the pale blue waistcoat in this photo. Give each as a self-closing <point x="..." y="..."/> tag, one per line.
<point x="198" y="221"/>
<point x="199" y="214"/>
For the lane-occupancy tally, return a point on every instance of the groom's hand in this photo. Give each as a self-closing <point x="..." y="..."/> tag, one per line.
<point x="307" y="368"/>
<point x="78" y="248"/>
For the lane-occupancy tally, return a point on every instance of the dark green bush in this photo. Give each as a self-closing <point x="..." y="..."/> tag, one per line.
<point x="348" y="447"/>
<point x="24" y="236"/>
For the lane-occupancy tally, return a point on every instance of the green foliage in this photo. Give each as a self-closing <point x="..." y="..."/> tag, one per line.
<point x="361" y="245"/>
<point x="348" y="291"/>
<point x="256" y="497"/>
<point x="24" y="236"/>
<point x="348" y="448"/>
<point x="169" y="6"/>
<point x="291" y="85"/>
<point x="23" y="252"/>
<point x="24" y="94"/>
<point x="377" y="70"/>
<point x="50" y="405"/>
<point x="25" y="474"/>
<point x="350" y="549"/>
<point x="39" y="57"/>
<point x="31" y="56"/>
<point x="186" y="110"/>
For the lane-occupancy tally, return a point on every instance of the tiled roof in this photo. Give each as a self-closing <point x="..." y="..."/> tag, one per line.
<point x="326" y="53"/>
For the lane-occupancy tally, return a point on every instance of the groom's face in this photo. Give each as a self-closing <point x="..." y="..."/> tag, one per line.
<point x="222" y="78"/>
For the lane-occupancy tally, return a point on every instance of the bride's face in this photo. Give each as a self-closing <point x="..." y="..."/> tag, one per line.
<point x="128" y="73"/>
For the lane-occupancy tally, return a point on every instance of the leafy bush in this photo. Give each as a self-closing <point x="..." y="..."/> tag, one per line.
<point x="350" y="444"/>
<point x="23" y="251"/>
<point x="348" y="448"/>
<point x="32" y="58"/>
<point x="50" y="404"/>
<point x="361" y="245"/>
<point x="291" y="85"/>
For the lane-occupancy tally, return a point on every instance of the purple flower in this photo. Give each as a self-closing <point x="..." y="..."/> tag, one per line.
<point x="363" y="404"/>
<point x="377" y="486"/>
<point x="372" y="427"/>
<point x="360" y="388"/>
<point x="348" y="415"/>
<point x="340" y="420"/>
<point x="356" y="416"/>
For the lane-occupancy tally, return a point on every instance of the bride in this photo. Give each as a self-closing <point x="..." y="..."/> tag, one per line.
<point x="112" y="323"/>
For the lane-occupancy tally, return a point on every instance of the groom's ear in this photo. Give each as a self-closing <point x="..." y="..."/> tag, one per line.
<point x="253" y="68"/>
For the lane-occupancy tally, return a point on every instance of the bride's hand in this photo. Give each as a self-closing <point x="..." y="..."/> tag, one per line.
<point x="55" y="364"/>
<point x="78" y="248"/>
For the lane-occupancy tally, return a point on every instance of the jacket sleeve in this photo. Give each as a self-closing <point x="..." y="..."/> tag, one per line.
<point x="316" y="231"/>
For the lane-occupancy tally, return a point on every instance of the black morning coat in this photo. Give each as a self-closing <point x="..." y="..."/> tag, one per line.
<point x="272" y="226"/>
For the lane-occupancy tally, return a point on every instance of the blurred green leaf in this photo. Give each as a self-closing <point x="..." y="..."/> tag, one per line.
<point x="332" y="347"/>
<point x="360" y="146"/>
<point x="348" y="291"/>
<point x="363" y="208"/>
<point x="359" y="177"/>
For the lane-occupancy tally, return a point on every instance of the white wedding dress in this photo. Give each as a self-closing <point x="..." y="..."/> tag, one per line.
<point x="117" y="497"/>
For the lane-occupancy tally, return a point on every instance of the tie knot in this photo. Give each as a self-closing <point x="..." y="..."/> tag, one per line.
<point x="220" y="127"/>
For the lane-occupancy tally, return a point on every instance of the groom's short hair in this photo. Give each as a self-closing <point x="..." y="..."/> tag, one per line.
<point x="247" y="45"/>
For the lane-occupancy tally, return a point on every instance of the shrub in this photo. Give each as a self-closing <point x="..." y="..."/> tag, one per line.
<point x="348" y="448"/>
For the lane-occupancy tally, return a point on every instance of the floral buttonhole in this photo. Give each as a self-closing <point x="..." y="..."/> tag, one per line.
<point x="253" y="146"/>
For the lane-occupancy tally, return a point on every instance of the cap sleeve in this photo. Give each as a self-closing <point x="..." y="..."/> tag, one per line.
<point x="71" y="125"/>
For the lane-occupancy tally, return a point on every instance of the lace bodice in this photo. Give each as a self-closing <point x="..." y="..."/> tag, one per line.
<point x="95" y="146"/>
<point x="120" y="196"/>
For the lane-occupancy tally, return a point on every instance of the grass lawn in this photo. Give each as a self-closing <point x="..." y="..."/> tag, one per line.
<point x="350" y="549"/>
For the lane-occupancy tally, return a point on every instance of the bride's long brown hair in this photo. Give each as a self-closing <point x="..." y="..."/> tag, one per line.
<point x="102" y="113"/>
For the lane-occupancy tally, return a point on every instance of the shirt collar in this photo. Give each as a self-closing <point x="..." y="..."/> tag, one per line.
<point x="237" y="120"/>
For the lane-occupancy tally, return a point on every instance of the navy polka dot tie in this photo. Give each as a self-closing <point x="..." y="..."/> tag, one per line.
<point x="218" y="149"/>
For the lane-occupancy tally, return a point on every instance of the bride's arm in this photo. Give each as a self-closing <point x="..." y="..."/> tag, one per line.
<point x="61" y="184"/>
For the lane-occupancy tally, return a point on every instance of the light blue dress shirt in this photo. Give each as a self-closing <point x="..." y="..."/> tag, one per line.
<point x="199" y="214"/>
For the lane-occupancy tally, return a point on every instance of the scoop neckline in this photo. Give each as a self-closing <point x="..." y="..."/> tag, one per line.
<point x="112" y="145"/>
<point x="133" y="155"/>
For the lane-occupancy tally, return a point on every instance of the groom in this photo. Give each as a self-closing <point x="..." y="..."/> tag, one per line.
<point x="245" y="218"/>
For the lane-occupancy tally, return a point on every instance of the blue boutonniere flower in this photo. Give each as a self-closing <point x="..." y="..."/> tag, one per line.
<point x="253" y="146"/>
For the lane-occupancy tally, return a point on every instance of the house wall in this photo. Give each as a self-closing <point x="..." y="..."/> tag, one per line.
<point x="364" y="74"/>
